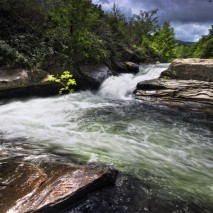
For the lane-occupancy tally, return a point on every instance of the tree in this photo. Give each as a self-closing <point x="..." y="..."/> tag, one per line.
<point x="204" y="47"/>
<point x="143" y="26"/>
<point x="207" y="51"/>
<point x="72" y="24"/>
<point x="164" y="42"/>
<point x="116" y="19"/>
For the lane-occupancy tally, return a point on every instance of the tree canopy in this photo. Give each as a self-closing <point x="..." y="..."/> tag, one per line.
<point x="164" y="42"/>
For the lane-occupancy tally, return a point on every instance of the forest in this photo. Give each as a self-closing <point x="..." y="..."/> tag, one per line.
<point x="42" y="33"/>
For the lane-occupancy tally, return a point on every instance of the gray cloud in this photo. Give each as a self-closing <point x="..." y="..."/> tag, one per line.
<point x="190" y="18"/>
<point x="101" y="1"/>
<point x="190" y="31"/>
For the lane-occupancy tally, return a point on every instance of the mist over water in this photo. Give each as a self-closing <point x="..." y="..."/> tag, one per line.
<point x="169" y="150"/>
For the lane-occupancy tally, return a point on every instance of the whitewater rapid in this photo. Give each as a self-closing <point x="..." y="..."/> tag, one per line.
<point x="122" y="86"/>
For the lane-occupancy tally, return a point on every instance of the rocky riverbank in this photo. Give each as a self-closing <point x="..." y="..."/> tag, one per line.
<point x="22" y="82"/>
<point x="188" y="83"/>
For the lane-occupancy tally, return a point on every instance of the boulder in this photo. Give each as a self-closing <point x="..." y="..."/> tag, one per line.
<point x="190" y="69"/>
<point x="47" y="187"/>
<point x="139" y="55"/>
<point x="95" y="74"/>
<point x="22" y="82"/>
<point x="133" y="67"/>
<point x="10" y="79"/>
<point x="135" y="56"/>
<point x="191" y="94"/>
<point x="124" y="67"/>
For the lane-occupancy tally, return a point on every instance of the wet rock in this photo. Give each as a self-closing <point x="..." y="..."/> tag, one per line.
<point x="132" y="55"/>
<point x="124" y="67"/>
<point x="192" y="94"/>
<point x="95" y="74"/>
<point x="132" y="67"/>
<point x="26" y="187"/>
<point x="190" y="69"/>
<point x="138" y="56"/>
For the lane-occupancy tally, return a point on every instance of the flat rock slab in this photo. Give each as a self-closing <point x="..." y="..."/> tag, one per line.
<point x="190" y="69"/>
<point x="26" y="187"/>
<point x="192" y="94"/>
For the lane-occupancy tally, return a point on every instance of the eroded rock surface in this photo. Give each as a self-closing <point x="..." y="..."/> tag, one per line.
<point x="194" y="94"/>
<point x="26" y="187"/>
<point x="190" y="69"/>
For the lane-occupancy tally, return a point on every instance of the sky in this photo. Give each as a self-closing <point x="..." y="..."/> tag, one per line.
<point x="190" y="18"/>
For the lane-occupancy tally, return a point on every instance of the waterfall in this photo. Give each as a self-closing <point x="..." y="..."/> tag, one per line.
<point x="122" y="86"/>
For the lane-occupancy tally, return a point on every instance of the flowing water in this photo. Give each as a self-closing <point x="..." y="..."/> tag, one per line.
<point x="169" y="150"/>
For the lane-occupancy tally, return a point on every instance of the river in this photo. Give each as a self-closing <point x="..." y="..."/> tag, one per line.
<point x="168" y="149"/>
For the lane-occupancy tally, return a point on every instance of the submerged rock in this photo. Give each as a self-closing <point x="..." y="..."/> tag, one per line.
<point x="192" y="94"/>
<point x="190" y="69"/>
<point x="26" y="187"/>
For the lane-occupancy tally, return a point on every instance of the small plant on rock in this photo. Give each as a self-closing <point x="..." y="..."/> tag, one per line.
<point x="66" y="80"/>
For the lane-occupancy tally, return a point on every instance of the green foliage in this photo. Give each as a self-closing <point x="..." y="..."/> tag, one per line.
<point x="122" y="33"/>
<point x="143" y="26"/>
<point x="204" y="47"/>
<point x="21" y="16"/>
<point x="22" y="35"/>
<point x="164" y="42"/>
<point x="116" y="19"/>
<point x="207" y="51"/>
<point x="11" y="57"/>
<point x="46" y="33"/>
<point x="66" y="80"/>
<point x="72" y="24"/>
<point x="183" y="51"/>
